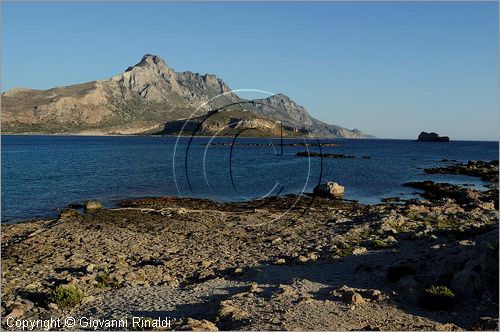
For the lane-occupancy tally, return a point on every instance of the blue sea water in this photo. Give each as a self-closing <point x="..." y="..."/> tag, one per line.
<point x="41" y="174"/>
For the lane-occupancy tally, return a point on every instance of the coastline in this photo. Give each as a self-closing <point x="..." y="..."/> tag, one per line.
<point x="221" y="265"/>
<point x="184" y="136"/>
<point x="239" y="137"/>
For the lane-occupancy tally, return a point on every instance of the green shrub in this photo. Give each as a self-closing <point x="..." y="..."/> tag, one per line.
<point x="345" y="249"/>
<point x="65" y="296"/>
<point x="380" y="244"/>
<point x="104" y="280"/>
<point x="400" y="228"/>
<point x="438" y="298"/>
<point x="365" y="234"/>
<point x="439" y="291"/>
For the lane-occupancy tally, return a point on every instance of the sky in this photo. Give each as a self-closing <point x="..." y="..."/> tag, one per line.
<point x="390" y="69"/>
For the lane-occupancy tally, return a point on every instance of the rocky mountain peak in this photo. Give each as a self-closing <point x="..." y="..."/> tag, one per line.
<point x="150" y="60"/>
<point x="280" y="96"/>
<point x="153" y="59"/>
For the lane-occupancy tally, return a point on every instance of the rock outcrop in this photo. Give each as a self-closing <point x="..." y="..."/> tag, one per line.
<point x="141" y="100"/>
<point x="487" y="171"/>
<point x="432" y="137"/>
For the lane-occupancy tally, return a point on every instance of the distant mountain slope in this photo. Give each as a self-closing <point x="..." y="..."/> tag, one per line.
<point x="142" y="100"/>
<point x="282" y="108"/>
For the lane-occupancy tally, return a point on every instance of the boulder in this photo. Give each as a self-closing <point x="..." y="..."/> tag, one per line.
<point x="92" y="205"/>
<point x="330" y="190"/>
<point x="351" y="297"/>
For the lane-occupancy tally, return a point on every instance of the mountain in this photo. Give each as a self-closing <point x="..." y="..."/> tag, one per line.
<point x="151" y="97"/>
<point x="246" y="123"/>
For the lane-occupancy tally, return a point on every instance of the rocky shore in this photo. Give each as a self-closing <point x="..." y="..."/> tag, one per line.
<point x="324" y="264"/>
<point x="487" y="171"/>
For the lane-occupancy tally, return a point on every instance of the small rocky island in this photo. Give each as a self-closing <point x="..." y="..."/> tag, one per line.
<point x="432" y="137"/>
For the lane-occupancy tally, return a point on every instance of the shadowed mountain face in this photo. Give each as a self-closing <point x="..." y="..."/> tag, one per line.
<point x="145" y="99"/>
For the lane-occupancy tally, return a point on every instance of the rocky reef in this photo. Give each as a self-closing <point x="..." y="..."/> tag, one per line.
<point x="325" y="264"/>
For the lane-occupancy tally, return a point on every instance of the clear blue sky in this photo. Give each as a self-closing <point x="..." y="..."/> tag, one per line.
<point x="390" y="69"/>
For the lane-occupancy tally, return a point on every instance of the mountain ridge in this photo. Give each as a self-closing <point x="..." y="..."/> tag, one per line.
<point x="144" y="99"/>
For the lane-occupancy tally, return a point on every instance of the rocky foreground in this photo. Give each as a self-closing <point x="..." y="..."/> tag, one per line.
<point x="326" y="264"/>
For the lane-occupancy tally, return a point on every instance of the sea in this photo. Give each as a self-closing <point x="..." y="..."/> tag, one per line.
<point x="43" y="174"/>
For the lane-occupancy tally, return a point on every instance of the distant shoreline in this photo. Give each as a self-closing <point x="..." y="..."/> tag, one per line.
<point x="228" y="137"/>
<point x="195" y="136"/>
